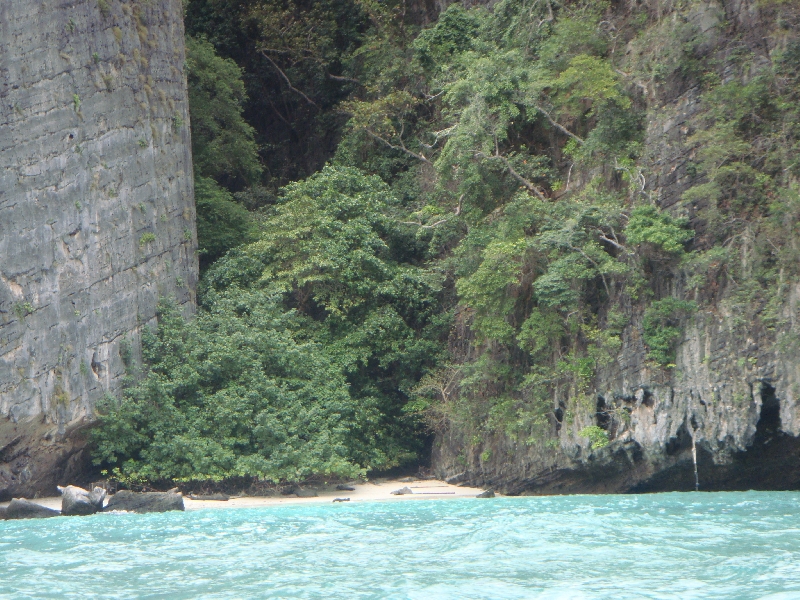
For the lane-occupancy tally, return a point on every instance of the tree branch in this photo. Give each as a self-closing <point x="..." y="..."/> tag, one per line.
<point x="558" y="126"/>
<point x="340" y="78"/>
<point x="401" y="147"/>
<point x="289" y="83"/>
<point x="527" y="184"/>
<point x="610" y="241"/>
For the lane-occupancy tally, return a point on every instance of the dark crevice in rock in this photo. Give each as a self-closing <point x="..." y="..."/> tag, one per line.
<point x="680" y="442"/>
<point x="602" y="415"/>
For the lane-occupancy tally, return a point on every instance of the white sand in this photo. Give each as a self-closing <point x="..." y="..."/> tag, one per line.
<point x="373" y="490"/>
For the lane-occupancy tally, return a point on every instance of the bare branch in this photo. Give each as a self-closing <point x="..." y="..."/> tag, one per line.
<point x="530" y="186"/>
<point x="558" y="126"/>
<point x="289" y="83"/>
<point x="428" y="97"/>
<point x="612" y="242"/>
<point x="401" y="147"/>
<point x="596" y="266"/>
<point x="340" y="78"/>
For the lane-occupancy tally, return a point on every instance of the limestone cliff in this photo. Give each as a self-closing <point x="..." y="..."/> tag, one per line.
<point x="96" y="214"/>
<point x="732" y="395"/>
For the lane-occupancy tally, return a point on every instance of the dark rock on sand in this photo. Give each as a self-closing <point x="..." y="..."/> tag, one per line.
<point x="2" y="513"/>
<point x="486" y="494"/>
<point x="301" y="493"/>
<point x="25" y="509"/>
<point x="402" y="491"/>
<point x="343" y="487"/>
<point x="456" y="479"/>
<point x="145" y="502"/>
<point x="341" y="499"/>
<point x="76" y="501"/>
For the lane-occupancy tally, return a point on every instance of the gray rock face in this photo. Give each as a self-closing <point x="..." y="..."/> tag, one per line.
<point x="2" y="513"/>
<point x="19" y="508"/>
<point x="76" y="501"/>
<point x="96" y="215"/>
<point x="486" y="494"/>
<point x="145" y="502"/>
<point x="402" y="491"/>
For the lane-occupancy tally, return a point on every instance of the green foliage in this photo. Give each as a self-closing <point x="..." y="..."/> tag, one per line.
<point x="147" y="238"/>
<point x="296" y="56"/>
<point x="23" y="309"/>
<point x="648" y="225"/>
<point x="597" y="436"/>
<point x="300" y="357"/>
<point x="661" y="328"/>
<point x="223" y="145"/>
<point x="222" y="223"/>
<point x="234" y="393"/>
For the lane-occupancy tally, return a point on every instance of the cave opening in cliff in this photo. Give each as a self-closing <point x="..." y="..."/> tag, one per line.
<point x="769" y="421"/>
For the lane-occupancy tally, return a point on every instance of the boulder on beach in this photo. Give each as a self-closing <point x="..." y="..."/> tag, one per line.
<point x="301" y="493"/>
<point x="2" y="513"/>
<point x="402" y="491"/>
<point x="76" y="501"/>
<point x="345" y="487"/>
<point x="456" y="479"/>
<point x="25" y="509"/>
<point x="486" y="494"/>
<point x="145" y="502"/>
<point x="341" y="499"/>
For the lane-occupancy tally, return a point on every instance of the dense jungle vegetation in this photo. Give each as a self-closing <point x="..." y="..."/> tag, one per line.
<point x="412" y="221"/>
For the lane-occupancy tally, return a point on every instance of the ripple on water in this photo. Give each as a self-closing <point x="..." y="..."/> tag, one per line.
<point x="726" y="545"/>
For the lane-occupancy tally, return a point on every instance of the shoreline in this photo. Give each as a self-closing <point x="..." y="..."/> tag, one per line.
<point x="380" y="489"/>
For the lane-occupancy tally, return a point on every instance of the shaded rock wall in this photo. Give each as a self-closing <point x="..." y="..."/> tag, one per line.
<point x="734" y="390"/>
<point x="96" y="214"/>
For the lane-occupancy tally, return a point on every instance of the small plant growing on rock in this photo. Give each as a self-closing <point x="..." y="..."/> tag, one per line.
<point x="147" y="238"/>
<point x="596" y="435"/>
<point x="76" y="102"/>
<point x="661" y="328"/>
<point x="23" y="309"/>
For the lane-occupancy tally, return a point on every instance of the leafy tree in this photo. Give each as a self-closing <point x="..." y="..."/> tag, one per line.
<point x="302" y="354"/>
<point x="222" y="141"/>
<point x="222" y="223"/>
<point x="234" y="393"/>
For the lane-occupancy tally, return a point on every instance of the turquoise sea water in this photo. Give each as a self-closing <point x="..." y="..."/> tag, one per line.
<point x="715" y="545"/>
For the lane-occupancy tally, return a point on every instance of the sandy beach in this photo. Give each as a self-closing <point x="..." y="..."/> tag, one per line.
<point x="380" y="489"/>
